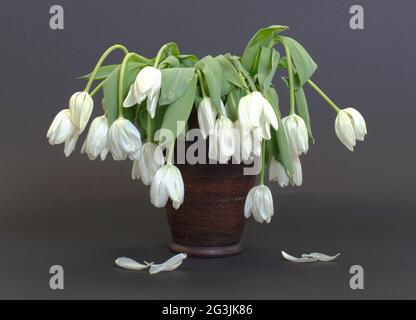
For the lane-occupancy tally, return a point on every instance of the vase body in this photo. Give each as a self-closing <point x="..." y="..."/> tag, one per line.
<point x="211" y="220"/>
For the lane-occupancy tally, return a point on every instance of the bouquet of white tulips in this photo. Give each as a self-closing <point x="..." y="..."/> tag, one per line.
<point x="236" y="104"/>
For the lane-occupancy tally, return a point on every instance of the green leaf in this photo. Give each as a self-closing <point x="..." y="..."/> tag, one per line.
<point x="231" y="104"/>
<point x="175" y="81"/>
<point x="302" y="107"/>
<point x="229" y="71"/>
<point x="170" y="62"/>
<point x="278" y="144"/>
<point x="267" y="66"/>
<point x="304" y="64"/>
<point x="187" y="60"/>
<point x="212" y="72"/>
<point x="263" y="38"/>
<point x="102" y="73"/>
<point x="180" y="109"/>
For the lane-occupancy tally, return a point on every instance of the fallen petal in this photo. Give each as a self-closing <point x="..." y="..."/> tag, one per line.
<point x="321" y="256"/>
<point x="294" y="259"/>
<point x="168" y="265"/>
<point x="130" y="264"/>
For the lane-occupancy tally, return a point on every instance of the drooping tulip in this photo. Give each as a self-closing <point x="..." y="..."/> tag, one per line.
<point x="167" y="183"/>
<point x="96" y="142"/>
<point x="150" y="161"/>
<point x="80" y="105"/>
<point x="222" y="145"/>
<point x="254" y="111"/>
<point x="297" y="134"/>
<point x="259" y="202"/>
<point x="206" y="116"/>
<point x="124" y="140"/>
<point x="349" y="127"/>
<point x="61" y="128"/>
<point x="243" y="140"/>
<point x="277" y="172"/>
<point x="146" y="86"/>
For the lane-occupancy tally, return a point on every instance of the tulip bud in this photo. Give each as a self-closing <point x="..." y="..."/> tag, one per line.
<point x="206" y="116"/>
<point x="147" y="85"/>
<point x="124" y="140"/>
<point x="80" y="105"/>
<point x="259" y="202"/>
<point x="297" y="134"/>
<point x="222" y="146"/>
<point x="150" y="161"/>
<point x="96" y="142"/>
<point x="167" y="183"/>
<point x="349" y="127"/>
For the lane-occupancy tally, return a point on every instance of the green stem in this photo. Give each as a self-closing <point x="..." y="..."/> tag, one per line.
<point x="323" y="95"/>
<point x="159" y="55"/>
<point x="170" y="153"/>
<point x="121" y="82"/>
<point x="149" y="128"/>
<point x="201" y="83"/>
<point x="100" y="62"/>
<point x="290" y="76"/>
<point x="97" y="88"/>
<point x="263" y="161"/>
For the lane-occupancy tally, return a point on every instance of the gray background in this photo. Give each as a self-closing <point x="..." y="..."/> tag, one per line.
<point x="82" y="214"/>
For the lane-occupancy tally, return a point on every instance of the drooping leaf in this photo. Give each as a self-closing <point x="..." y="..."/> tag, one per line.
<point x="278" y="144"/>
<point x="170" y="62"/>
<point x="212" y="72"/>
<point x="229" y="71"/>
<point x="267" y="66"/>
<point x="304" y="64"/>
<point x="187" y="60"/>
<point x="262" y="38"/>
<point x="102" y="73"/>
<point x="180" y="109"/>
<point x="231" y="104"/>
<point x="175" y="81"/>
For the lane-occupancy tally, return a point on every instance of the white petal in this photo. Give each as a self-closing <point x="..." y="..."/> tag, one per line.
<point x="130" y="264"/>
<point x="360" y="128"/>
<point x="321" y="256"/>
<point x="169" y="265"/>
<point x="294" y="259"/>
<point x="344" y="130"/>
<point x="278" y="173"/>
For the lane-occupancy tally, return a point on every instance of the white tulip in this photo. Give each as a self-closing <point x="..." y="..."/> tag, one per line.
<point x="70" y="143"/>
<point x="297" y="134"/>
<point x="277" y="172"/>
<point x="243" y="140"/>
<point x="222" y="145"/>
<point x="124" y="140"/>
<point x="96" y="142"/>
<point x="61" y="128"/>
<point x="259" y="202"/>
<point x="80" y="105"/>
<point x="147" y="85"/>
<point x="349" y="127"/>
<point x="167" y="183"/>
<point x="150" y="161"/>
<point x="206" y="116"/>
<point x="255" y="111"/>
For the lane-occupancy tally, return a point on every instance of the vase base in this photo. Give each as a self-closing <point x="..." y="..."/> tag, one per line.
<point x="207" y="252"/>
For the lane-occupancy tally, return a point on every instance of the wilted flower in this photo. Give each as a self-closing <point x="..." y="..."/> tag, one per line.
<point x="206" y="116"/>
<point x="80" y="105"/>
<point x="254" y="111"/>
<point x="167" y="183"/>
<point x="277" y="172"/>
<point x="62" y="130"/>
<point x="124" y="140"/>
<point x="222" y="145"/>
<point x="243" y="140"/>
<point x="297" y="134"/>
<point x="147" y="85"/>
<point x="259" y="202"/>
<point x="150" y="161"/>
<point x="96" y="142"/>
<point x="349" y="127"/>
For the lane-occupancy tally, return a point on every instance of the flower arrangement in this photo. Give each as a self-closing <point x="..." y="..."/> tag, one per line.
<point x="237" y="108"/>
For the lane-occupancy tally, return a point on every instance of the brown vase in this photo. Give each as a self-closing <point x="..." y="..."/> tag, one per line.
<point x="211" y="220"/>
